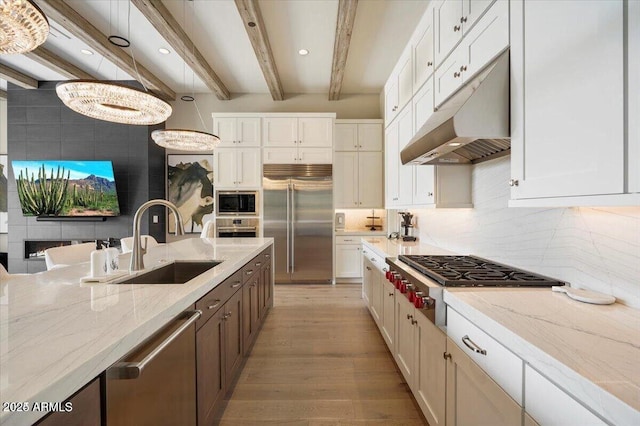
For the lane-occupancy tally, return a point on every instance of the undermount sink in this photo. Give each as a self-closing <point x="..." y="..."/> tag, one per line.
<point x="173" y="273"/>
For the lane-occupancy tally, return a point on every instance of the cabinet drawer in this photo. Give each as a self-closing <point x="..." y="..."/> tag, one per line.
<point x="504" y="367"/>
<point x="348" y="240"/>
<point x="252" y="268"/>
<point x="266" y="256"/>
<point x="212" y="301"/>
<point x="377" y="261"/>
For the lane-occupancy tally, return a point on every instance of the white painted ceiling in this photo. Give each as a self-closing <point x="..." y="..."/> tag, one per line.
<point x="382" y="29"/>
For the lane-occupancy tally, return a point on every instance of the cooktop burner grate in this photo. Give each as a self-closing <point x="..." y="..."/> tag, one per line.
<point x="471" y="271"/>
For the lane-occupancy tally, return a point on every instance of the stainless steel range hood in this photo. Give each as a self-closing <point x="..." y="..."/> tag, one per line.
<point x="470" y="127"/>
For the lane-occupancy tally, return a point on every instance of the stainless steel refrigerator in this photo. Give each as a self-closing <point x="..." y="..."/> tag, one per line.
<point x="298" y="214"/>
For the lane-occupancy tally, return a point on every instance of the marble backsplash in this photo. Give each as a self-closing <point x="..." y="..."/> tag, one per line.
<point x="593" y="248"/>
<point x="357" y="219"/>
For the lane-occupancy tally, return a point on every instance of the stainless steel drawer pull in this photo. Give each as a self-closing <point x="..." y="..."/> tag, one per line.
<point x="267" y="256"/>
<point x="236" y="285"/>
<point x="133" y="370"/>
<point x="258" y="264"/>
<point x="471" y="345"/>
<point x="216" y="303"/>
<point x="249" y="272"/>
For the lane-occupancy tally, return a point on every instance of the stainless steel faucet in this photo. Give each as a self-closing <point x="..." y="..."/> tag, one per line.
<point x="137" y="262"/>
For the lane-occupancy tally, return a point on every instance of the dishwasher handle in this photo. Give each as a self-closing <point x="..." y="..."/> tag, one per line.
<point x="133" y="370"/>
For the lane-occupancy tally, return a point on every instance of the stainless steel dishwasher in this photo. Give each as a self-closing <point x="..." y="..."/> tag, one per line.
<point x="155" y="384"/>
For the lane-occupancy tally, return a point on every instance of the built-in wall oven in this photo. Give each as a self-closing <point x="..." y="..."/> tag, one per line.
<point x="237" y="203"/>
<point x="237" y="228"/>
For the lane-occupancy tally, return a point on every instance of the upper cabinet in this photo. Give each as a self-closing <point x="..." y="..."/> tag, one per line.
<point x="360" y="135"/>
<point x="569" y="141"/>
<point x="237" y="168"/>
<point x="313" y="132"/>
<point x="483" y="42"/>
<point x="237" y="131"/>
<point x="423" y="53"/>
<point x="399" y="87"/>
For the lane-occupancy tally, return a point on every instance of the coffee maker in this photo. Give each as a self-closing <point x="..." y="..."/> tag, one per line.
<point x="407" y="225"/>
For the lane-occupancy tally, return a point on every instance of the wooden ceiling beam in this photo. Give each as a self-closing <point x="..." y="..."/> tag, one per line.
<point x="72" y="21"/>
<point x="3" y="94"/>
<point x="252" y="19"/>
<point x="18" y="78"/>
<point x="56" y="63"/>
<point x="174" y="34"/>
<point x="344" y="28"/>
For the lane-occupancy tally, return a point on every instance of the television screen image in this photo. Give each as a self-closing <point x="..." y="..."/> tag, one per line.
<point x="66" y="188"/>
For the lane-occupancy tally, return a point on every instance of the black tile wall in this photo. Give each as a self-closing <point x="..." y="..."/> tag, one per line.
<point x="40" y="127"/>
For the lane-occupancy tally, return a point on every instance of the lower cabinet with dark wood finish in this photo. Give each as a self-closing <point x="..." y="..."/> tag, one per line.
<point x="82" y="409"/>
<point x="210" y="368"/>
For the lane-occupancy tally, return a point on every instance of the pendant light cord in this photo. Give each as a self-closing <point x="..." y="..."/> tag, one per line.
<point x="133" y="56"/>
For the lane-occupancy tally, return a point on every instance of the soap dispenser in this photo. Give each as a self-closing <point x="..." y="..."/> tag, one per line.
<point x="98" y="261"/>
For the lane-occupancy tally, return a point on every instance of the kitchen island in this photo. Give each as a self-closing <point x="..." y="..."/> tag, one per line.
<point x="57" y="334"/>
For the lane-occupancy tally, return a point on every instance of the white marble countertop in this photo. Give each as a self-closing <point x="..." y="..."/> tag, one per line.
<point x="591" y="351"/>
<point x="57" y="334"/>
<point x="363" y="232"/>
<point x="392" y="248"/>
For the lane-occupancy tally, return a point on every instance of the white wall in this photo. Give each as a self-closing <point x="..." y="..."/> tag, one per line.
<point x="594" y="248"/>
<point x="349" y="106"/>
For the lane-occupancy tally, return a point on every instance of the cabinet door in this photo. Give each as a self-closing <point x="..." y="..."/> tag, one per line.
<point x="405" y="175"/>
<point x="431" y="370"/>
<point x="422" y="105"/>
<point x="267" y="287"/>
<point x="210" y="367"/>
<point x="346" y="137"/>
<point x="424" y="185"/>
<point x="225" y="169"/>
<point x="249" y="171"/>
<point x="348" y="261"/>
<point x="280" y="131"/>
<point x="345" y="180"/>
<point x="405" y="80"/>
<point x="487" y="39"/>
<point x="376" y="296"/>
<point x="370" y="137"/>
<point x="370" y="180"/>
<point x="225" y="129"/>
<point x="549" y="405"/>
<point x="232" y="336"/>
<point x="315" y="155"/>
<point x="391" y="100"/>
<point x="472" y="10"/>
<point x="86" y="409"/>
<point x="280" y="155"/>
<point x="405" y="338"/>
<point x="388" y="328"/>
<point x="472" y="397"/>
<point x="248" y="131"/>
<point x="250" y="314"/>
<point x="448" y="77"/>
<point x="367" y="274"/>
<point x="423" y="54"/>
<point x="448" y="28"/>
<point x="574" y="142"/>
<point x="392" y="166"/>
<point x="315" y="132"/>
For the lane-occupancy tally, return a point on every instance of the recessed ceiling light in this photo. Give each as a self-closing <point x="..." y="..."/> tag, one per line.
<point x="455" y="144"/>
<point x="86" y="52"/>
<point x="303" y="52"/>
<point x="164" y="51"/>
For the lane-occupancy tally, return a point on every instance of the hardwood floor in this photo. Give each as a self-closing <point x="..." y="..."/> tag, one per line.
<point x="320" y="360"/>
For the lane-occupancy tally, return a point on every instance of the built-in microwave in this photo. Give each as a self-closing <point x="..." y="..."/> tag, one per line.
<point x="237" y="203"/>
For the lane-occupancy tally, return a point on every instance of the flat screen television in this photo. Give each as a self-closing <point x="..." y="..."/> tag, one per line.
<point x="51" y="188"/>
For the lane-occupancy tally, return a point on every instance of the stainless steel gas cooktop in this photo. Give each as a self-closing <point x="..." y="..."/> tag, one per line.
<point x="471" y="271"/>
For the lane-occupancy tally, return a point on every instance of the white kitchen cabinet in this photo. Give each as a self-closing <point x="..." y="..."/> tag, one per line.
<point x="430" y="369"/>
<point x="399" y="87"/>
<point x="568" y="104"/>
<point x="367" y="276"/>
<point x="348" y="258"/>
<point x="423" y="105"/>
<point x="358" y="180"/>
<point x="453" y="19"/>
<point x="442" y="186"/>
<point x="399" y="177"/>
<point x="388" y="324"/>
<point x="547" y="404"/>
<point x="472" y="397"/>
<point x="237" y="131"/>
<point x="422" y="46"/>
<point x="307" y="132"/>
<point x="237" y="168"/>
<point x="360" y="135"/>
<point x="297" y="155"/>
<point x="405" y="341"/>
<point x="488" y="38"/>
<point x="376" y="293"/>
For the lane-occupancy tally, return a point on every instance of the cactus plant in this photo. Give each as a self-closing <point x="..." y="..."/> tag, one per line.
<point x="45" y="196"/>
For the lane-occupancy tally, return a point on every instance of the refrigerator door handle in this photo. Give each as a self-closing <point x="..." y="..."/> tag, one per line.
<point x="293" y="221"/>
<point x="288" y="226"/>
